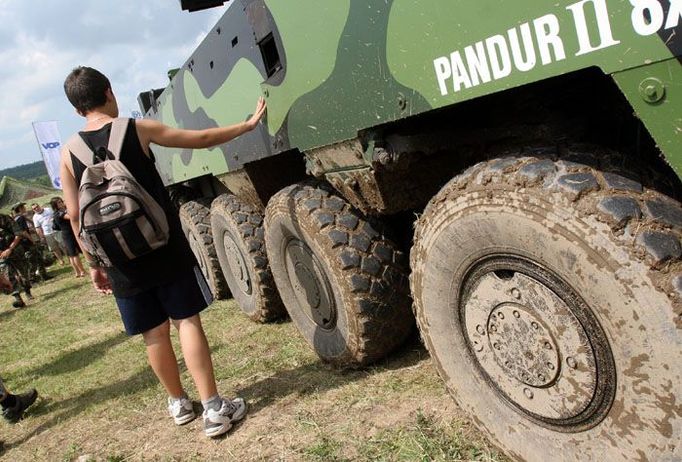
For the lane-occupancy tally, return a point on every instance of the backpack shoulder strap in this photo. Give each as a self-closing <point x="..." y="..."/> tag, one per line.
<point x="117" y="135"/>
<point x="77" y="146"/>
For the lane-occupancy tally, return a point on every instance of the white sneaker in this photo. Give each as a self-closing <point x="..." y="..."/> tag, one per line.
<point x="181" y="410"/>
<point x="219" y="422"/>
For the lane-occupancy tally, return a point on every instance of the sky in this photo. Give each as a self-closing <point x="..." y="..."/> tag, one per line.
<point x="132" y="42"/>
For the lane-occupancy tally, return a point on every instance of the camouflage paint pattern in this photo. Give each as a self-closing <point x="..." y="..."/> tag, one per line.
<point x="350" y="65"/>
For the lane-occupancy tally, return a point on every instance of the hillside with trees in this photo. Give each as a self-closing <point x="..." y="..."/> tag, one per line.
<point x="27" y="183"/>
<point x="26" y="171"/>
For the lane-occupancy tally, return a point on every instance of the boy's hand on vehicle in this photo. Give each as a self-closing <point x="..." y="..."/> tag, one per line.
<point x="258" y="114"/>
<point x="100" y="280"/>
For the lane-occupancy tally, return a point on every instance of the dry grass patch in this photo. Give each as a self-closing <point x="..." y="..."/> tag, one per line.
<point x="98" y="397"/>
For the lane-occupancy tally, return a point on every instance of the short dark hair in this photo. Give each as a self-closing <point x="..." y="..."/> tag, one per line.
<point x="86" y="88"/>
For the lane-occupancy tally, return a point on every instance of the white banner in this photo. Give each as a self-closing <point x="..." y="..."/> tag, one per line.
<point x="50" y="143"/>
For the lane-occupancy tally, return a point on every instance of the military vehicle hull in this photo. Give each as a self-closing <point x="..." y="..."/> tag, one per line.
<point x="538" y="146"/>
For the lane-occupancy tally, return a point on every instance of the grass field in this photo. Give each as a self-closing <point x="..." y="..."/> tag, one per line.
<point x="100" y="401"/>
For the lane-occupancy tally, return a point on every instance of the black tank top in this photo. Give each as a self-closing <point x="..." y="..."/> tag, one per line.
<point x="165" y="264"/>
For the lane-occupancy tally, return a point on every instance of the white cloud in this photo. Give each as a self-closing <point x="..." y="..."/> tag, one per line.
<point x="40" y="42"/>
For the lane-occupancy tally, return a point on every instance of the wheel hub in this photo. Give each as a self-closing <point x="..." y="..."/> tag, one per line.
<point x="537" y="343"/>
<point x="522" y="346"/>
<point x="310" y="283"/>
<point x="237" y="263"/>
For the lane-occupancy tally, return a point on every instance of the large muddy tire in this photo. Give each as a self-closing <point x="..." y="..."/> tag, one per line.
<point x="196" y="224"/>
<point x="548" y="294"/>
<point x="343" y="283"/>
<point x="238" y="231"/>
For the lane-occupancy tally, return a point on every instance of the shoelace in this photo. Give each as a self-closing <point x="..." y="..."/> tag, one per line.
<point x="230" y="407"/>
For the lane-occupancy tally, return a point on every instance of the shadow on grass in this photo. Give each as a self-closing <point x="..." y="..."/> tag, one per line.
<point x="54" y="293"/>
<point x="78" y="359"/>
<point x="319" y="377"/>
<point x="61" y="411"/>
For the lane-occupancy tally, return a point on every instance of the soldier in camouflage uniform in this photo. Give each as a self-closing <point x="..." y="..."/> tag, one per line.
<point x="13" y="264"/>
<point x="33" y="251"/>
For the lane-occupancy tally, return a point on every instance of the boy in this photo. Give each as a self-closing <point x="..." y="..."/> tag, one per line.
<point x="148" y="290"/>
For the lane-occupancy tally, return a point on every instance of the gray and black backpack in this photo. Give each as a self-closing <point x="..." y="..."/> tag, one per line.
<point x="119" y="219"/>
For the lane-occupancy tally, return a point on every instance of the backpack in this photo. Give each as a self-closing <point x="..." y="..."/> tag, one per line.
<point x="119" y="219"/>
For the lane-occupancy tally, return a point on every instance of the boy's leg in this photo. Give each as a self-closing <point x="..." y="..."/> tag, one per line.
<point x="142" y="313"/>
<point x="162" y="359"/>
<point x="219" y="414"/>
<point x="197" y="355"/>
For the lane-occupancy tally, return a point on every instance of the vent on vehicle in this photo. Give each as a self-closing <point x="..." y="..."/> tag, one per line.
<point x="268" y="49"/>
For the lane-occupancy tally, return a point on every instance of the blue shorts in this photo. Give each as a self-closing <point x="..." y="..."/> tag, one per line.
<point x="180" y="299"/>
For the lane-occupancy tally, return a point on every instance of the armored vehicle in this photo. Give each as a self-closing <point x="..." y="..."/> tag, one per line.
<point x="506" y="173"/>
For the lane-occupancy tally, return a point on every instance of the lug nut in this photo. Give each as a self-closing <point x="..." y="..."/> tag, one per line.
<point x="500" y="315"/>
<point x="480" y="329"/>
<point x="571" y="362"/>
<point x="548" y="346"/>
<point x="517" y="314"/>
<point x="550" y="366"/>
<point x="528" y="393"/>
<point x="516" y="293"/>
<point x="534" y="325"/>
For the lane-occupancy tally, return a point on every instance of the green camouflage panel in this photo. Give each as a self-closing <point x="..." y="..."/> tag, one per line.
<point x="331" y="69"/>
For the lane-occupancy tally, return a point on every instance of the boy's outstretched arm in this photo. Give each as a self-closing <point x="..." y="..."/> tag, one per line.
<point x="152" y="131"/>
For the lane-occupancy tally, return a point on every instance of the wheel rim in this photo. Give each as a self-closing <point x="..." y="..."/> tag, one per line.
<point x="237" y="264"/>
<point x="310" y="284"/>
<point x="537" y="343"/>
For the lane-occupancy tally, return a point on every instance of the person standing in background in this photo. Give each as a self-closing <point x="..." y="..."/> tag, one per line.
<point x="33" y="252"/>
<point x="63" y="220"/>
<point x="43" y="220"/>
<point x="14" y="268"/>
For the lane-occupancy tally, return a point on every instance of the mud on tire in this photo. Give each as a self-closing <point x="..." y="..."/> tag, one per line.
<point x="196" y="224"/>
<point x="344" y="283"/>
<point x="238" y="231"/>
<point x="548" y="294"/>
